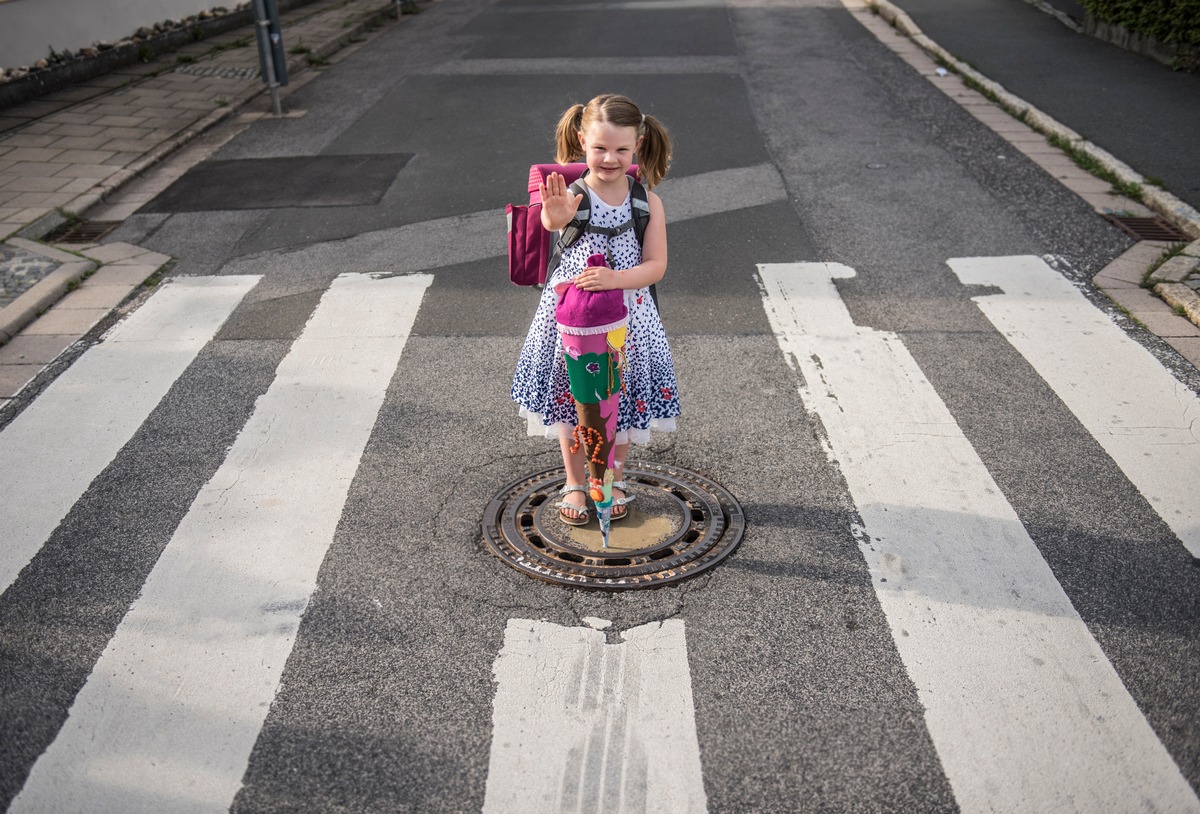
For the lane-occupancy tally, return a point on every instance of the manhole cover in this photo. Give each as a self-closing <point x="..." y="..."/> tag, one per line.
<point x="1154" y="228"/>
<point x="680" y="524"/>
<point x="84" y="231"/>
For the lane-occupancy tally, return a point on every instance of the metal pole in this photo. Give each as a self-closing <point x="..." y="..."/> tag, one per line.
<point x="264" y="52"/>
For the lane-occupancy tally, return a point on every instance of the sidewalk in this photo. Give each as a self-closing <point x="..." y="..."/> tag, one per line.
<point x="68" y="151"/>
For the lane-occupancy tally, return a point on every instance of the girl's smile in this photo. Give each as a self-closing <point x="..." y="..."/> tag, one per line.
<point x="609" y="150"/>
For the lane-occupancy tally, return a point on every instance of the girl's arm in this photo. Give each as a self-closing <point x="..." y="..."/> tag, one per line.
<point x="654" y="258"/>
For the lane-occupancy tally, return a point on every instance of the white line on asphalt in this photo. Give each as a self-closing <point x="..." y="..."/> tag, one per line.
<point x="584" y="726"/>
<point x="475" y="236"/>
<point x="169" y="715"/>
<point x="1146" y="421"/>
<point x="597" y="66"/>
<point x="1025" y="711"/>
<point x="53" y="450"/>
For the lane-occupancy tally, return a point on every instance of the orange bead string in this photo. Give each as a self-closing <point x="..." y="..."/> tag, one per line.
<point x="591" y="439"/>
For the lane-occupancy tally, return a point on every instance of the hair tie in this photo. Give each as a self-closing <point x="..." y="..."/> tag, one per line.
<point x="643" y="120"/>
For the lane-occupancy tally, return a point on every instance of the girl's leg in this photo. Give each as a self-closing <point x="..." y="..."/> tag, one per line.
<point x="619" y="474"/>
<point x="576" y="473"/>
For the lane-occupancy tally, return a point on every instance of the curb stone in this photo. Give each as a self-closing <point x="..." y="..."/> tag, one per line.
<point x="1178" y="295"/>
<point x="44" y="293"/>
<point x="1175" y="270"/>
<point x="115" y="272"/>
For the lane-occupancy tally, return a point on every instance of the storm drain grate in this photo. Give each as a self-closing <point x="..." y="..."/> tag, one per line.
<point x="680" y="525"/>
<point x="1140" y="228"/>
<point x="84" y="231"/>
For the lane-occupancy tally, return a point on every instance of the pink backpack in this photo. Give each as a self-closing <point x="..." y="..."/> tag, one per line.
<point x="529" y="244"/>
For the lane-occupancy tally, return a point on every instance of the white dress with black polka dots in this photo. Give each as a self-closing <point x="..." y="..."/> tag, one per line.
<point x="541" y="387"/>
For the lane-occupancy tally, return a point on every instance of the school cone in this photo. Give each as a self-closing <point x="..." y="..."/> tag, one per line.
<point x="592" y="325"/>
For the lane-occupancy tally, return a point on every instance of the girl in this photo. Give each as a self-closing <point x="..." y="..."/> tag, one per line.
<point x="607" y="133"/>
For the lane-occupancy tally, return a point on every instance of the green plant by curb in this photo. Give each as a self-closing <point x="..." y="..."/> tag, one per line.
<point x="981" y="89"/>
<point x="79" y="281"/>
<point x="1167" y="254"/>
<point x="1130" y="315"/>
<point x="1088" y="162"/>
<point x="156" y="278"/>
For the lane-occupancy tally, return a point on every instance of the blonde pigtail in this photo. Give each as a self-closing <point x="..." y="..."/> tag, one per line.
<point x="566" y="135"/>
<point x="654" y="155"/>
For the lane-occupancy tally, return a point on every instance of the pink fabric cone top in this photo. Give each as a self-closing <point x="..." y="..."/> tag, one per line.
<point x="583" y="313"/>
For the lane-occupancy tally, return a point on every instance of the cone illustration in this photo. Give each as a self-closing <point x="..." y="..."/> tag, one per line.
<point x="592" y="325"/>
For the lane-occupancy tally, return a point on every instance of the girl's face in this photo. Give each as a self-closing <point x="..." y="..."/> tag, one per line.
<point x="609" y="149"/>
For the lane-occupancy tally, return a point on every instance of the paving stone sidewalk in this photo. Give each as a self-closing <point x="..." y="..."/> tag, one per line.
<point x="70" y="150"/>
<point x="60" y="153"/>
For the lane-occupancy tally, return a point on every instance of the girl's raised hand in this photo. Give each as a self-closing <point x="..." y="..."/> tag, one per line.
<point x="558" y="205"/>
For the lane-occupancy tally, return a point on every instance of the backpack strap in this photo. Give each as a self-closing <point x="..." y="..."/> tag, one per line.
<point x="639" y="204"/>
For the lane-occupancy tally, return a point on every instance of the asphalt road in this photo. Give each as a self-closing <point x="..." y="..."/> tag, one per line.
<point x="1028" y="641"/>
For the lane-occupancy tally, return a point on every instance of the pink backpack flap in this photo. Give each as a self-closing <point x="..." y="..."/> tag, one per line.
<point x="529" y="244"/>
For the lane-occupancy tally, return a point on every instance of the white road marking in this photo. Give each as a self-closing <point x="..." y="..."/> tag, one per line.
<point x="448" y="241"/>
<point x="1146" y="421"/>
<point x="584" y="726"/>
<point x="51" y="452"/>
<point x="169" y="715"/>
<point x="1024" y="709"/>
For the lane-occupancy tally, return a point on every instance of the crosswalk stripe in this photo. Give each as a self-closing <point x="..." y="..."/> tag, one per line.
<point x="170" y="713"/>
<point x="580" y="725"/>
<point x="53" y="450"/>
<point x="1025" y="711"/>
<point x="1143" y="418"/>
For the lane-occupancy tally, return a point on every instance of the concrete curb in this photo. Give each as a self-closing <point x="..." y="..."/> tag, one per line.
<point x="1178" y="295"/>
<point x="1179" y="213"/>
<point x="46" y="292"/>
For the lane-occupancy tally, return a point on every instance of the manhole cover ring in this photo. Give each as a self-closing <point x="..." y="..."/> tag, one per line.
<point x="700" y="535"/>
<point x="517" y="528"/>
